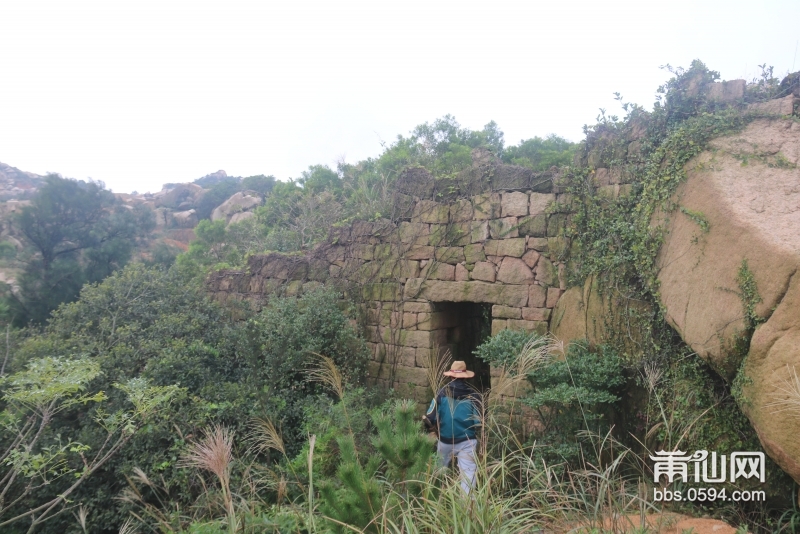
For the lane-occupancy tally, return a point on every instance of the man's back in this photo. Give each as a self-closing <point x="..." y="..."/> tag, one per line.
<point x="457" y="412"/>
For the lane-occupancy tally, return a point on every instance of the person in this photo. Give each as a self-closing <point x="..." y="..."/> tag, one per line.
<point x="455" y="412"/>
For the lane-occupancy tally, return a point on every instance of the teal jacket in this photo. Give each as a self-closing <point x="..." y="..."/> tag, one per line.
<point x="456" y="410"/>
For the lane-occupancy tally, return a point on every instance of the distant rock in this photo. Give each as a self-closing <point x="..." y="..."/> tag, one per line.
<point x="241" y="216"/>
<point x="212" y="179"/>
<point x="236" y="207"/>
<point x="180" y="196"/>
<point x="185" y="219"/>
<point x="16" y="184"/>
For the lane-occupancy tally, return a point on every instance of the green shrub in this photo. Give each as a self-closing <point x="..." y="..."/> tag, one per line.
<point x="154" y="323"/>
<point x="7" y="250"/>
<point x="405" y="454"/>
<point x="570" y="396"/>
<point x="501" y="350"/>
<point x="283" y="341"/>
<point x="575" y="395"/>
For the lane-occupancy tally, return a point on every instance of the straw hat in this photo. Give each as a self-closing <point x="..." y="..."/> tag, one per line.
<point x="459" y="370"/>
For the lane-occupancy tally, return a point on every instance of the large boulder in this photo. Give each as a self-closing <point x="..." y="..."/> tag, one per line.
<point x="593" y="312"/>
<point x="738" y="222"/>
<point x="185" y="219"/>
<point x="180" y="196"/>
<point x="235" y="206"/>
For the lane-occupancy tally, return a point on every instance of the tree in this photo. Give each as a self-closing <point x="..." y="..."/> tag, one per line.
<point x="320" y="178"/>
<point x="32" y="457"/>
<point x="541" y="154"/>
<point x="78" y="232"/>
<point x="260" y="184"/>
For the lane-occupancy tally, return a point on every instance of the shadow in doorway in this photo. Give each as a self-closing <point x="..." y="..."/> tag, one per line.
<point x="468" y="325"/>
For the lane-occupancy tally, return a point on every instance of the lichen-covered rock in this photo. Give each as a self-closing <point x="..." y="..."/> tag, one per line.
<point x="474" y="253"/>
<point x="514" y="204"/>
<point x="591" y="314"/>
<point x="428" y="211"/>
<point x="514" y="271"/>
<point x="579" y="315"/>
<point x="442" y="291"/>
<point x="546" y="273"/>
<point x="503" y="228"/>
<point x="739" y="221"/>
<point x="505" y="247"/>
<point x="484" y="271"/>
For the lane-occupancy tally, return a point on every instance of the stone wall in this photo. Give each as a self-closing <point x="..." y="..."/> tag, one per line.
<point x="491" y="235"/>
<point x="502" y="249"/>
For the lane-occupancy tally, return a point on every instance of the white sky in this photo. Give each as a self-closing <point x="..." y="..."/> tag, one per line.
<point x="141" y="93"/>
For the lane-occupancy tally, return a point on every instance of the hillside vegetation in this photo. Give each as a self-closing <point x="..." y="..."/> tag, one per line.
<point x="132" y="402"/>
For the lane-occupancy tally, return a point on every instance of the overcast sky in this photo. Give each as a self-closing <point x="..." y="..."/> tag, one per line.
<point x="141" y="93"/>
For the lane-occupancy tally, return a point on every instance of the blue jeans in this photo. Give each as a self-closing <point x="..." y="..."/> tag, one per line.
<point x="465" y="452"/>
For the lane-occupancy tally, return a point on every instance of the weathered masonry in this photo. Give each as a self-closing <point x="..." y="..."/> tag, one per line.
<point x="463" y="258"/>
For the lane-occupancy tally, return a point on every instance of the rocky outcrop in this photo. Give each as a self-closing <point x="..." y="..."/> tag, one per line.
<point x="738" y="220"/>
<point x="18" y="184"/>
<point x="594" y="314"/>
<point x="185" y="219"/>
<point x="237" y="208"/>
<point x="179" y="197"/>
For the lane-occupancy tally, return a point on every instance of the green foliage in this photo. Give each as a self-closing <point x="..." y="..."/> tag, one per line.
<point x="748" y="292"/>
<point x="80" y="234"/>
<point x="150" y="324"/>
<point x="216" y="195"/>
<point x="575" y="395"/>
<point x="320" y="178"/>
<point x="7" y="250"/>
<point x="502" y="350"/>
<point x="51" y="384"/>
<point x="685" y="93"/>
<point x="359" y="498"/>
<point x="444" y="147"/>
<point x="35" y="456"/>
<point x="691" y="408"/>
<point x="617" y="240"/>
<point x="361" y="494"/>
<point x="163" y="255"/>
<point x="297" y="214"/>
<point x="282" y="342"/>
<point x="541" y="154"/>
<point x="260" y="184"/>
<point x="218" y="245"/>
<point x="766" y="86"/>
<point x="699" y="219"/>
<point x="406" y="450"/>
<point x="329" y="421"/>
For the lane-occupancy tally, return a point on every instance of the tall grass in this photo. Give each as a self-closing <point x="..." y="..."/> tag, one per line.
<point x="513" y="492"/>
<point x="214" y="453"/>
